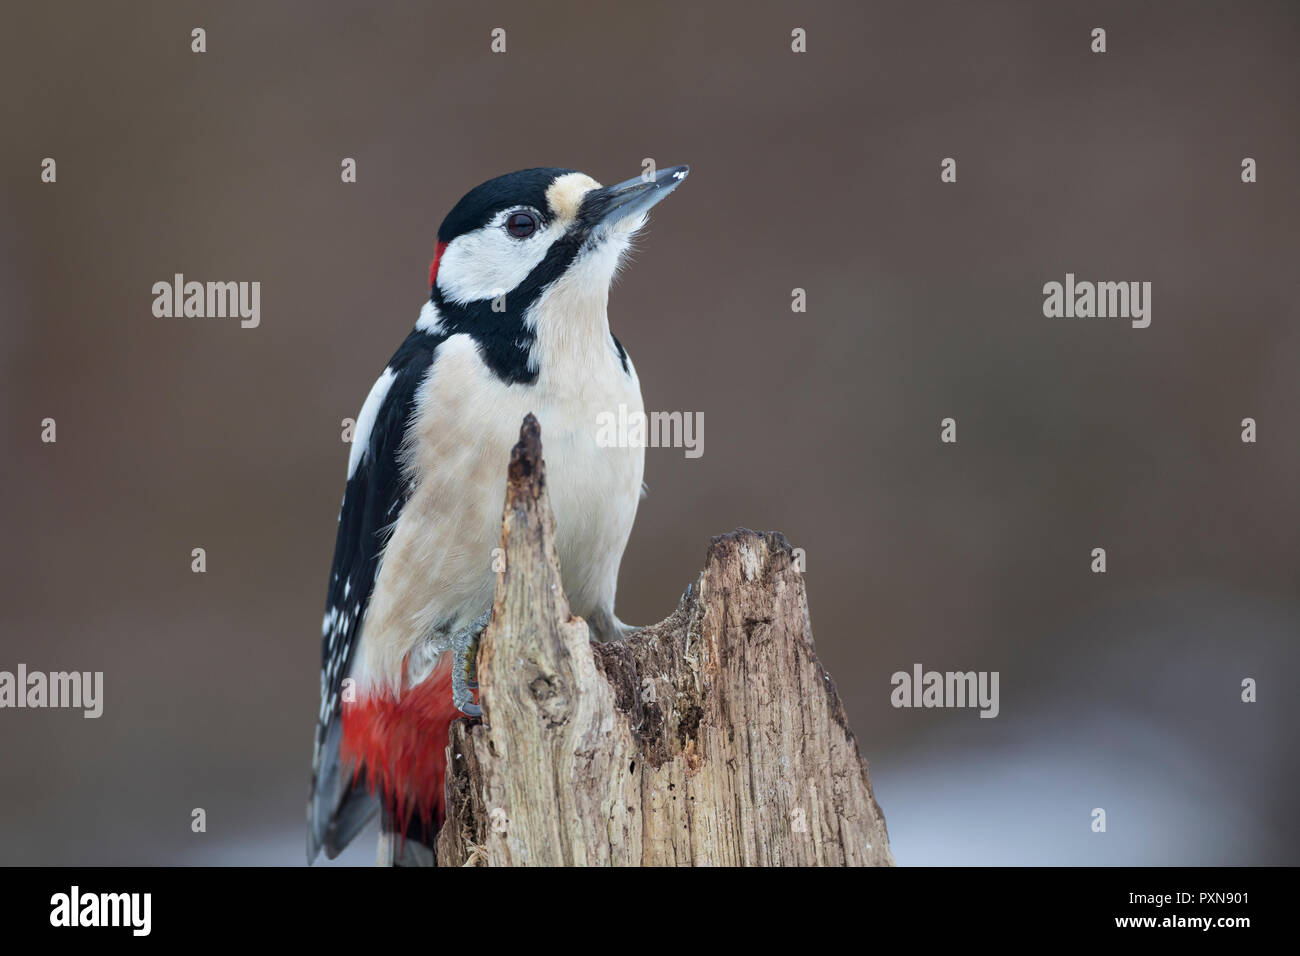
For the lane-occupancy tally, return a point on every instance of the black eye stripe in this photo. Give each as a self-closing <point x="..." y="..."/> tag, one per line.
<point x="521" y="224"/>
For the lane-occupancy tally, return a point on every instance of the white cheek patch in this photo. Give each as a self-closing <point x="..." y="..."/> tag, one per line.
<point x="488" y="262"/>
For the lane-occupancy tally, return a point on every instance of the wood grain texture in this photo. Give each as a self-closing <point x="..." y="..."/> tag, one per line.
<point x="712" y="738"/>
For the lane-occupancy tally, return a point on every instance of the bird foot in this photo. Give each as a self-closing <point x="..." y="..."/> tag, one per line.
<point x="464" y="667"/>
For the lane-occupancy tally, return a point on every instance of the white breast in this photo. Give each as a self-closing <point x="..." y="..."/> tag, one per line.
<point x="436" y="572"/>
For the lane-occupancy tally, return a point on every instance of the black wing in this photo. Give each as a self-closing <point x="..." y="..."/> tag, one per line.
<point x="372" y="501"/>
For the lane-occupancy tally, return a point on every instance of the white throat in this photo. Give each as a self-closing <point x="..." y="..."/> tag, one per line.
<point x="571" y="319"/>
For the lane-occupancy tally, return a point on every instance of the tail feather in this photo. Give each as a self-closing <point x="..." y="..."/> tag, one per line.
<point x="341" y="802"/>
<point x="409" y="844"/>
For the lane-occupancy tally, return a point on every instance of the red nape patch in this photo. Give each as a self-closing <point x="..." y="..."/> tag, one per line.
<point x="403" y="744"/>
<point x="433" y="266"/>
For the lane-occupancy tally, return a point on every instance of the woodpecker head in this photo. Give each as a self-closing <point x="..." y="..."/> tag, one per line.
<point x="523" y="239"/>
<point x="536" y="225"/>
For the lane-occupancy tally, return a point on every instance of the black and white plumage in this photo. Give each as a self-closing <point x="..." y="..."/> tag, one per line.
<point x="516" y="322"/>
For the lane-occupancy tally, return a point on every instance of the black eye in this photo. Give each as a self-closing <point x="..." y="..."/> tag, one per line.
<point x="521" y="225"/>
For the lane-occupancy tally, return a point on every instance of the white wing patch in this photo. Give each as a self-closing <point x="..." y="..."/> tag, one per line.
<point x="366" y="419"/>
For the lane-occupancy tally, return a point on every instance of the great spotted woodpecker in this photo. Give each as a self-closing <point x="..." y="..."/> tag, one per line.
<point x="515" y="322"/>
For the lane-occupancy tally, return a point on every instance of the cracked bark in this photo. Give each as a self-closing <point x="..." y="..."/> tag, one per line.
<point x="714" y="737"/>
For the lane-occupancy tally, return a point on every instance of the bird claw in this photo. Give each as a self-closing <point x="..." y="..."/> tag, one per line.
<point x="464" y="671"/>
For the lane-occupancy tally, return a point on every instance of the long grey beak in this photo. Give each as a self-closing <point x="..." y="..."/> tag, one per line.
<point x="611" y="204"/>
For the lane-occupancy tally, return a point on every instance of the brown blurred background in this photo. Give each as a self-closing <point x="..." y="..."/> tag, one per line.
<point x="818" y="171"/>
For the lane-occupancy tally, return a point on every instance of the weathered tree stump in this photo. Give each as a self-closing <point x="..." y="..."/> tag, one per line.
<point x="712" y="737"/>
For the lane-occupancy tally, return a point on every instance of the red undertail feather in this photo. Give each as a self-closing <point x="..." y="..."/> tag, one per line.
<point x="402" y="745"/>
